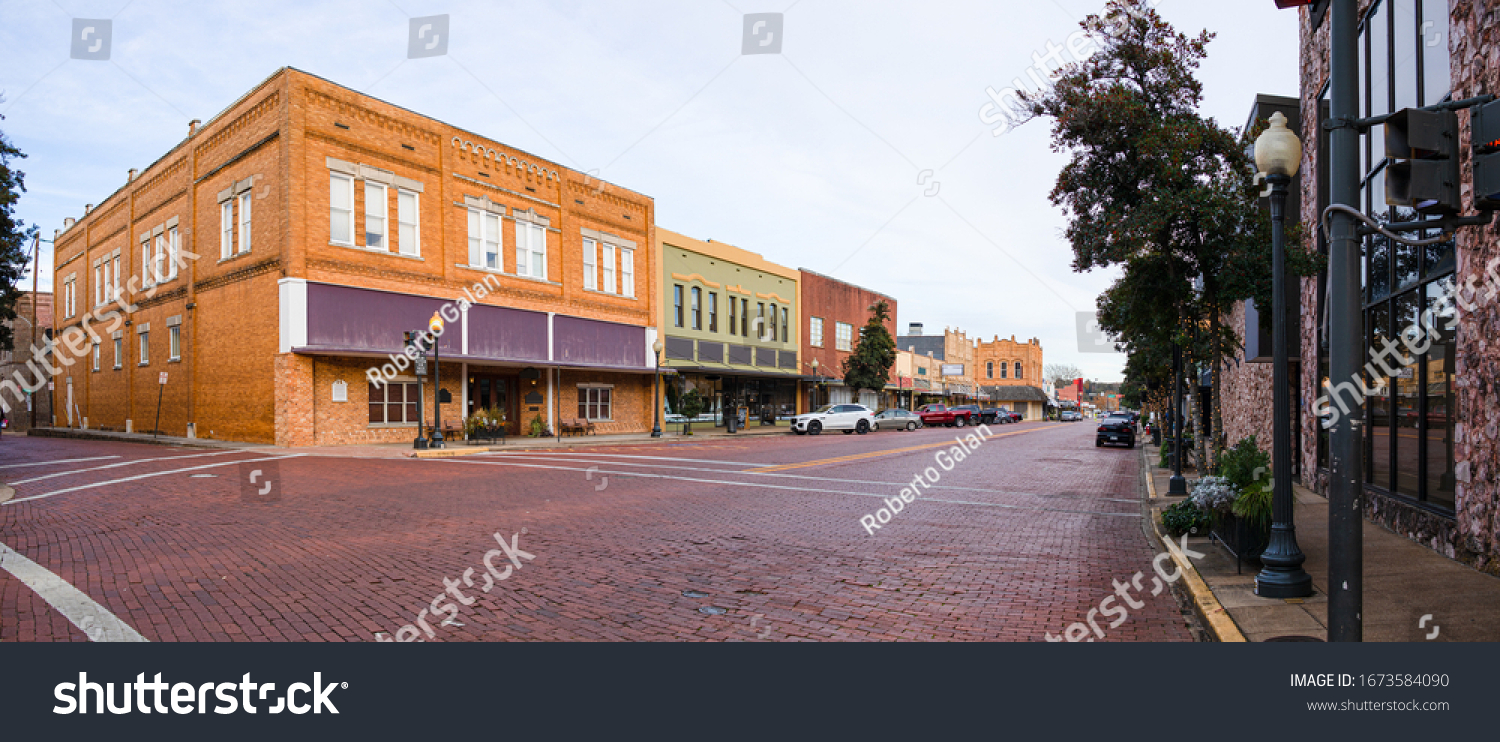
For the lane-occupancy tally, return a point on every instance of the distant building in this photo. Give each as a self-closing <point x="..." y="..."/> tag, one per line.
<point x="23" y="383"/>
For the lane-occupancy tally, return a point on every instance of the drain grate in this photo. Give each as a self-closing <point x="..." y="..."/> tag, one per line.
<point x="694" y="594"/>
<point x="202" y="476"/>
<point x="1294" y="639"/>
<point x="713" y="610"/>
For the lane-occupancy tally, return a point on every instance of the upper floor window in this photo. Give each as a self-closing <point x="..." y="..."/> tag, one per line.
<point x="1003" y="367"/>
<point x="408" y="235"/>
<point x="484" y="240"/>
<point x="733" y="312"/>
<point x="989" y="370"/>
<point x="610" y="285"/>
<point x="713" y="311"/>
<point x="226" y="229"/>
<point x="677" y="303"/>
<point x="773" y="323"/>
<point x="1018" y="369"/>
<point x="174" y="343"/>
<point x="531" y="250"/>
<point x="815" y="331"/>
<point x="760" y="321"/>
<point x="590" y="264"/>
<point x="245" y="199"/>
<point x="697" y="308"/>
<point x="341" y="209"/>
<point x="843" y="336"/>
<point x="627" y="272"/>
<point x="785" y="325"/>
<point x="376" y="208"/>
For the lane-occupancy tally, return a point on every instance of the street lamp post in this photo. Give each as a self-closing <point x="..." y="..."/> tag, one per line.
<point x="1278" y="153"/>
<point x="436" y="326"/>
<point x="656" y="392"/>
<point x="815" y="384"/>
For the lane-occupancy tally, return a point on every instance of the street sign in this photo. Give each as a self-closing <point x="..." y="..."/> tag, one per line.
<point x="420" y="367"/>
<point x="163" y="379"/>
<point x="953" y="369"/>
<point x="50" y="386"/>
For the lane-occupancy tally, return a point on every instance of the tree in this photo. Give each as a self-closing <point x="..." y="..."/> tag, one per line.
<point x="1157" y="189"/>
<point x="869" y="367"/>
<point x="14" y="236"/>
<point x="1061" y="374"/>
<point x="691" y="406"/>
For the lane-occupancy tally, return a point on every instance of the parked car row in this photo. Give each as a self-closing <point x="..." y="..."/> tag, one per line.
<point x="1116" y="427"/>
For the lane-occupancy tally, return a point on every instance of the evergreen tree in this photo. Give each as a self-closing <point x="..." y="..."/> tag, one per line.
<point x="869" y="367"/>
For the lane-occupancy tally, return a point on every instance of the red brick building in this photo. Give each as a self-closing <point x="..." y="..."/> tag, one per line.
<point x="23" y="377"/>
<point x="268" y="262"/>
<point x="832" y="313"/>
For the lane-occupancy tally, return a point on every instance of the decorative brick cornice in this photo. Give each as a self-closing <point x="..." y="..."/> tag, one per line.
<point x="357" y="112"/>
<point x="249" y="271"/>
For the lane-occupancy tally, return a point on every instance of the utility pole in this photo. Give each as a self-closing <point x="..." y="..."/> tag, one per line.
<point x="36" y="269"/>
<point x="1345" y="491"/>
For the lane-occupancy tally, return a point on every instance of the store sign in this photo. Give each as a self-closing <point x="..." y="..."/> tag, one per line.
<point x="953" y="369"/>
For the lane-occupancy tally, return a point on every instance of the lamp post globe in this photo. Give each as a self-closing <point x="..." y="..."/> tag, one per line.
<point x="1278" y="154"/>
<point x="656" y="347"/>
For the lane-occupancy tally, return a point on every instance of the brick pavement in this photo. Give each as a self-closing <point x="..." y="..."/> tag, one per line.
<point x="1026" y="540"/>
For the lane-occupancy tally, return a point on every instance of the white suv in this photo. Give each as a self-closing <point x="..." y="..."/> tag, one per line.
<point x="850" y="418"/>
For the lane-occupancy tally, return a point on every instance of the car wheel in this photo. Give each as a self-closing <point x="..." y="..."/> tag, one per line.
<point x="814" y="428"/>
<point x="862" y="427"/>
<point x="911" y="426"/>
<point x="848" y="432"/>
<point x="1131" y="444"/>
<point x="960" y="422"/>
<point x="800" y="432"/>
<point x="1098" y="443"/>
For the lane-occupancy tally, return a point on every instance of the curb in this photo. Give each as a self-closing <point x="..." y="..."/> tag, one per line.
<point x="6" y="493"/>
<point x="1214" y="615"/>
<point x="447" y="453"/>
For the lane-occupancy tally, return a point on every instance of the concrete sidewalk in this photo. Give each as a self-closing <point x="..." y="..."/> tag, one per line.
<point x="1403" y="582"/>
<point x="405" y="450"/>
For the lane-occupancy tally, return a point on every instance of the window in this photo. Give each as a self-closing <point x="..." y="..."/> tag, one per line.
<point x="484" y="240"/>
<point x="989" y="370"/>
<point x="815" y="331"/>
<point x="119" y="352"/>
<point x="96" y="355"/>
<point x="677" y="304"/>
<point x="375" y="216"/>
<point x="627" y="272"/>
<point x="245" y="199"/>
<point x="593" y="402"/>
<point x="733" y="302"/>
<point x="226" y="229"/>
<point x="341" y="209"/>
<point x="1003" y="367"/>
<point x="590" y="268"/>
<point x="844" y="336"/>
<point x="744" y="317"/>
<point x="145" y="348"/>
<point x="174" y="250"/>
<point x="713" y="311"/>
<point x="408" y="236"/>
<point x="785" y="325"/>
<point x="531" y="250"/>
<point x="610" y="285"/>
<point x="773" y="323"/>
<point x="697" y="308"/>
<point x="174" y="342"/>
<point x="394" y="404"/>
<point x="760" y="321"/>
<point x="115" y="289"/>
<point x="1409" y="423"/>
<point x="98" y="284"/>
<point x="146" y="277"/>
<point x="1018" y="369"/>
<point x="159" y="259"/>
<point x="70" y="284"/>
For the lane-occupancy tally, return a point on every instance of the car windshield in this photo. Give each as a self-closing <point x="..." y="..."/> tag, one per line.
<point x="825" y="409"/>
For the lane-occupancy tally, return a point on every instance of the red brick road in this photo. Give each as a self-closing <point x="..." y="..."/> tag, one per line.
<point x="1022" y="538"/>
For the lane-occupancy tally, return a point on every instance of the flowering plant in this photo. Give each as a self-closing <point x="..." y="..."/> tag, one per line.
<point x="1214" y="495"/>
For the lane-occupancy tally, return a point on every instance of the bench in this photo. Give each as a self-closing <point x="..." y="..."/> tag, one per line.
<point x="577" y="425"/>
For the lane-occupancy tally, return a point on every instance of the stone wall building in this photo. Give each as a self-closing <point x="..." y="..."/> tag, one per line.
<point x="256" y="273"/>
<point x="1432" y="442"/>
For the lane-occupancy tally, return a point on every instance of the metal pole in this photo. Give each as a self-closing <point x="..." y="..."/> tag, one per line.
<point x="156" y="429"/>
<point x="1178" y="485"/>
<point x="1282" y="576"/>
<point x="437" y="397"/>
<point x="36" y="269"/>
<point x="656" y="401"/>
<point x="1345" y="491"/>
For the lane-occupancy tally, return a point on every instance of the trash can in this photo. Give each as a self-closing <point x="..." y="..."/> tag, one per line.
<point x="730" y="421"/>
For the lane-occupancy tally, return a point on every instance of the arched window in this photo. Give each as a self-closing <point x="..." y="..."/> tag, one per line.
<point x="1018" y="369"/>
<point x="989" y="370"/>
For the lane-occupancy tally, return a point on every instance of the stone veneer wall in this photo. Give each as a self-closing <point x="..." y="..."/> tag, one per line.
<point x="1473" y="536"/>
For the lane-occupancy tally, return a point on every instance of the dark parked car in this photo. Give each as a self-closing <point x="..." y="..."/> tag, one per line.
<point x="1116" y="429"/>
<point x="1015" y="417"/>
<point x="897" y="419"/>
<point x="998" y="415"/>
<point x="976" y="415"/>
<point x="1069" y="416"/>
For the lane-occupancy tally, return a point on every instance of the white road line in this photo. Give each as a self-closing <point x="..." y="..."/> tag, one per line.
<point x="116" y="466"/>
<point x="148" y="476"/>
<point x="59" y="461"/>
<point x="94" y="620"/>
<point x="821" y="479"/>
<point x="645" y="475"/>
<point x="502" y="454"/>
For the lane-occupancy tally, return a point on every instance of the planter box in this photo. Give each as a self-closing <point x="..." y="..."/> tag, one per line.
<point x="1242" y="540"/>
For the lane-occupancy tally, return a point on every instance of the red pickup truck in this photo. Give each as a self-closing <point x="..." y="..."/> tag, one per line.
<point x="938" y="414"/>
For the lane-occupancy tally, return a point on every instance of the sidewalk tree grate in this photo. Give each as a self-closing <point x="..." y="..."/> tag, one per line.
<point x="694" y="594"/>
<point x="713" y="610"/>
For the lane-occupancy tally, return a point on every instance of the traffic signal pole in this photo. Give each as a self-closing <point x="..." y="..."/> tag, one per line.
<point x="1345" y="491"/>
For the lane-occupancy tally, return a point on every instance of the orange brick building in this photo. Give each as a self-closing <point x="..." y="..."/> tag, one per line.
<point x="1008" y="363"/>
<point x="277" y="254"/>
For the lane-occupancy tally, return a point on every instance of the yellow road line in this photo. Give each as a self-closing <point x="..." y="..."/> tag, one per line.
<point x="873" y="454"/>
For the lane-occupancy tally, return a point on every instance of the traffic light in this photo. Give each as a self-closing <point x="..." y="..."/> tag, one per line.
<point x="1424" y="175"/>
<point x="1485" y="135"/>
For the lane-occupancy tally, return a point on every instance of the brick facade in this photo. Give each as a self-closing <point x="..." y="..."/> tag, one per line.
<point x="995" y="362"/>
<point x="834" y="301"/>
<point x="277" y="149"/>
<point x="19" y="370"/>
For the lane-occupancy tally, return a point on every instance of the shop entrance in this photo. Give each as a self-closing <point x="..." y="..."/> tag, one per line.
<point x="494" y="392"/>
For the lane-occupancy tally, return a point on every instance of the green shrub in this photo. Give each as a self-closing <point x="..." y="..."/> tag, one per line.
<point x="1249" y="469"/>
<point x="1184" y="517"/>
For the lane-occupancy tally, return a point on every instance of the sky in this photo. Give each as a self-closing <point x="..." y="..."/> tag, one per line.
<point x="853" y="140"/>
